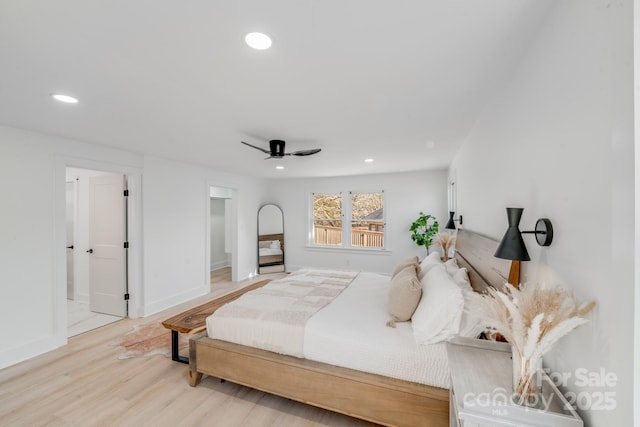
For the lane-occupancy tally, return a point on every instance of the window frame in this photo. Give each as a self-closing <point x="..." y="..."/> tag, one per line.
<point x="347" y="220"/>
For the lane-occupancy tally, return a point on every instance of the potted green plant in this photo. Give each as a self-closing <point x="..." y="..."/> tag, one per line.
<point x="423" y="230"/>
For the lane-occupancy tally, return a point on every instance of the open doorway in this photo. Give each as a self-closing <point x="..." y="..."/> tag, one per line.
<point x="96" y="230"/>
<point x="220" y="237"/>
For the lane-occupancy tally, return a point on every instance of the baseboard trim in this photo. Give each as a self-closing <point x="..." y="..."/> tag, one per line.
<point x="219" y="265"/>
<point x="31" y="349"/>
<point x="174" y="300"/>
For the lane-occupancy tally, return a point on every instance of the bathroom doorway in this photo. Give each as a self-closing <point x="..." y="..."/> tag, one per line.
<point x="220" y="235"/>
<point x="96" y="250"/>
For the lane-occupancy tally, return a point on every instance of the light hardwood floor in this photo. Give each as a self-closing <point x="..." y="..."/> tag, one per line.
<point x="85" y="384"/>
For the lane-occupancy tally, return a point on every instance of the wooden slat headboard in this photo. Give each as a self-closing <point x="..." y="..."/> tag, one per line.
<point x="475" y="253"/>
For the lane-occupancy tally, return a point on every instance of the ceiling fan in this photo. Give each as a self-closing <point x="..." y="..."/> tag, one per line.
<point x="277" y="150"/>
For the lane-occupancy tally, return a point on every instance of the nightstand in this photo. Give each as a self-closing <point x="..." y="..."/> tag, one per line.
<point x="481" y="390"/>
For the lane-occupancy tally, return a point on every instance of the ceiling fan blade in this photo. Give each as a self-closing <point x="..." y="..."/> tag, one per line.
<point x="256" y="147"/>
<point x="305" y="152"/>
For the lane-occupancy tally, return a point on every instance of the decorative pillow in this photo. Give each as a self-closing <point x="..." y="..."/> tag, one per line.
<point x="470" y="325"/>
<point x="451" y="266"/>
<point x="412" y="261"/>
<point x="404" y="294"/>
<point x="461" y="278"/>
<point x="428" y="263"/>
<point x="265" y="244"/>
<point x="437" y="317"/>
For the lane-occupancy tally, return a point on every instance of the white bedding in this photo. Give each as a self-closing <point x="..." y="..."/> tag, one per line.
<point x="351" y="332"/>
<point x="270" y="251"/>
<point x="274" y="316"/>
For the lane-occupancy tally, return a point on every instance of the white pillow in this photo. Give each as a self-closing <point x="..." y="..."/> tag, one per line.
<point x="275" y="244"/>
<point x="428" y="263"/>
<point x="451" y="266"/>
<point x="461" y="278"/>
<point x="437" y="317"/>
<point x="470" y="325"/>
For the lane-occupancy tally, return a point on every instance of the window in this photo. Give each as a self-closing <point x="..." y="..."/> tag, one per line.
<point x="367" y="220"/>
<point x="366" y="226"/>
<point x="327" y="219"/>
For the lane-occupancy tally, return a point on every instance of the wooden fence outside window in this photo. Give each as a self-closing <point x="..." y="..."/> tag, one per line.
<point x="332" y="236"/>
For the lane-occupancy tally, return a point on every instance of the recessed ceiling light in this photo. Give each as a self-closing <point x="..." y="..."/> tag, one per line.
<point x="258" y="41"/>
<point x="279" y="167"/>
<point x="368" y="160"/>
<point x="64" y="98"/>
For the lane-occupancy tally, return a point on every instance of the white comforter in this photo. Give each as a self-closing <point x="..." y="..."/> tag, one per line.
<point x="350" y="332"/>
<point x="274" y="317"/>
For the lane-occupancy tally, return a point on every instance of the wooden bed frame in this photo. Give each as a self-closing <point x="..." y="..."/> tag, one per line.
<point x="371" y="397"/>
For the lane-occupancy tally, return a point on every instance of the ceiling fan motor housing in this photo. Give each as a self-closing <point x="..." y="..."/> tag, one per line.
<point x="277" y="148"/>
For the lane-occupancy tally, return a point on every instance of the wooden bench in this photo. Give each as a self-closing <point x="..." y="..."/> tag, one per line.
<point x="194" y="320"/>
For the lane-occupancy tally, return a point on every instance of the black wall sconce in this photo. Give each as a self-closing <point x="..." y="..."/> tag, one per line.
<point x="512" y="246"/>
<point x="451" y="225"/>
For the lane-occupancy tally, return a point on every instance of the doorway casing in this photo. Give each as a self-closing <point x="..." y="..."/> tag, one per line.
<point x="231" y="194"/>
<point x="134" y="221"/>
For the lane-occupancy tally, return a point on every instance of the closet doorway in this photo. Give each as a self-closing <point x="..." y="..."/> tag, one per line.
<point x="220" y="236"/>
<point x="96" y="232"/>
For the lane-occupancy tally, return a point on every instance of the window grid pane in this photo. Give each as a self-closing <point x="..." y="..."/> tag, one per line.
<point x="327" y="219"/>
<point x="367" y="220"/>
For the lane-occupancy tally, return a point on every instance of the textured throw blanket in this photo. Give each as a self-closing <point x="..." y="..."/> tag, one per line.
<point x="273" y="317"/>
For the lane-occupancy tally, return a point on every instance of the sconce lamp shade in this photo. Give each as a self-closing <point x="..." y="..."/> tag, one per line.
<point x="512" y="246"/>
<point x="451" y="225"/>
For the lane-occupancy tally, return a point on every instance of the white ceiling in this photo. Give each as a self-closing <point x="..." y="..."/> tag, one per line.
<point x="357" y="78"/>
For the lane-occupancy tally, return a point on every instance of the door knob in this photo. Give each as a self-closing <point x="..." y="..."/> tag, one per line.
<point x="90" y="251"/>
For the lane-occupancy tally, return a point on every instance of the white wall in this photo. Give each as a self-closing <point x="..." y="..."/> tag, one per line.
<point x="177" y="227"/>
<point x="558" y="141"/>
<point x="218" y="258"/>
<point x="636" y="58"/>
<point x="32" y="235"/>
<point x="270" y="219"/>
<point x="406" y="194"/>
<point x="174" y="209"/>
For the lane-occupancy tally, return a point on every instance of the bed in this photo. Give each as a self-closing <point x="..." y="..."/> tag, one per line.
<point x="270" y="249"/>
<point x="377" y="396"/>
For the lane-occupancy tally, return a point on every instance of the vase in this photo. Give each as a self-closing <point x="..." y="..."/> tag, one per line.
<point x="527" y="380"/>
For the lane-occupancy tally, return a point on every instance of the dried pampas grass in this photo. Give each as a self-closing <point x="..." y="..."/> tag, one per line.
<point x="531" y="318"/>
<point x="446" y="241"/>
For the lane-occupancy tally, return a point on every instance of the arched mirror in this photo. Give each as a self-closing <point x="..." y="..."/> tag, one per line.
<point x="270" y="239"/>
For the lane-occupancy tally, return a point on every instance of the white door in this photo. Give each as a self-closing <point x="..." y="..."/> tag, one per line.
<point x="107" y="254"/>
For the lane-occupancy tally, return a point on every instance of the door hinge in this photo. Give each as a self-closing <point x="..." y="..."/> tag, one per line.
<point x="126" y="245"/>
<point x="126" y="193"/>
<point x="126" y="297"/>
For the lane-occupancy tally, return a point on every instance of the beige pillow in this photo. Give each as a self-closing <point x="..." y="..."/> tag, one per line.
<point x="412" y="261"/>
<point x="404" y="294"/>
<point x="264" y="244"/>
